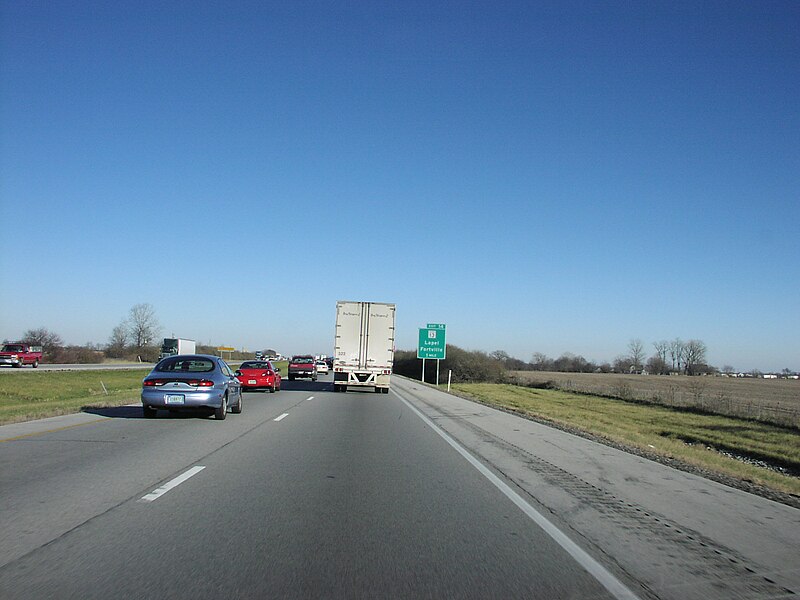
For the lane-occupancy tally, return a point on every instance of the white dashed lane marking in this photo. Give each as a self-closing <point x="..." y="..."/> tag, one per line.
<point x="157" y="493"/>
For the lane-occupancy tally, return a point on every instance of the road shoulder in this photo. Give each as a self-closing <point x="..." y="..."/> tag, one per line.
<point x="680" y="534"/>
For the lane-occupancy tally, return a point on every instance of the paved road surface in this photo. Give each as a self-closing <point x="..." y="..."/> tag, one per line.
<point x="309" y="493"/>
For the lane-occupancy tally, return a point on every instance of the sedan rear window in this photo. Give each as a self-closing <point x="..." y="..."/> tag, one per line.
<point x="183" y="365"/>
<point x="254" y="365"/>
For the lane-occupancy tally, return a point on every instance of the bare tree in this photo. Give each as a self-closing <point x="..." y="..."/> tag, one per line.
<point x="540" y="361"/>
<point x="676" y="350"/>
<point x="636" y="348"/>
<point x="500" y="355"/>
<point x="727" y="369"/>
<point x="48" y="340"/>
<point x="694" y="355"/>
<point x="657" y="365"/>
<point x="622" y="364"/>
<point x="143" y="326"/>
<point x="662" y="349"/>
<point x="118" y="341"/>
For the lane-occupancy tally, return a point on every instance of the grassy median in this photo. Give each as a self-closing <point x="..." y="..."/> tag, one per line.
<point x="698" y="439"/>
<point x="27" y="396"/>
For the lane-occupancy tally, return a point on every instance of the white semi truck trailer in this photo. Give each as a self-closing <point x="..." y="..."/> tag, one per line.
<point x="175" y="346"/>
<point x="364" y="346"/>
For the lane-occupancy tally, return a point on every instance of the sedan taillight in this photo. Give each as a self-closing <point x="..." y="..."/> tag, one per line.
<point x="192" y="382"/>
<point x="201" y="383"/>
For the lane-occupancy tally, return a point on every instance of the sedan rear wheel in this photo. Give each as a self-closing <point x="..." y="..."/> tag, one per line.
<point x="238" y="408"/>
<point x="222" y="412"/>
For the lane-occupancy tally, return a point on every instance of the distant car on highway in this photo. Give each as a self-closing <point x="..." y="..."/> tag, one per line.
<point x="322" y="367"/>
<point x="191" y="381"/>
<point x="259" y="374"/>
<point x="302" y="365"/>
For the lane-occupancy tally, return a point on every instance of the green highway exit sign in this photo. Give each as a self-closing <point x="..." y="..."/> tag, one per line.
<point x="431" y="342"/>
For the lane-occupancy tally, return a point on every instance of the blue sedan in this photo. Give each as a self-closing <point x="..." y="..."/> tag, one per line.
<point x="191" y="381"/>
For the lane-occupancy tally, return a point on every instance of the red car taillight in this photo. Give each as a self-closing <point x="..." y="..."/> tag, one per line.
<point x="153" y="382"/>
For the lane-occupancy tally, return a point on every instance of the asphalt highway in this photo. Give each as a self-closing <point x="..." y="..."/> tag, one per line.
<point x="416" y="494"/>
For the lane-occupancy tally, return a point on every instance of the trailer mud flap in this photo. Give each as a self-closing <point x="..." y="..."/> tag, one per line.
<point x="361" y="378"/>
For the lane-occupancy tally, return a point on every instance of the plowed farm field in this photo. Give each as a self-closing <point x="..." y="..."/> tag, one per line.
<point x="770" y="400"/>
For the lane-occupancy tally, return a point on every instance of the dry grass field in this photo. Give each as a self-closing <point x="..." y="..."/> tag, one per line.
<point x="768" y="400"/>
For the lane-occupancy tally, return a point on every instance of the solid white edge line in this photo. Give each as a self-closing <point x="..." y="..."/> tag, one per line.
<point x="598" y="571"/>
<point x="283" y="416"/>
<point x="157" y="493"/>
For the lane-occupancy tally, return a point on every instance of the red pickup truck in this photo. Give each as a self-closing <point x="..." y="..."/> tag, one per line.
<point x="302" y="366"/>
<point x="18" y="354"/>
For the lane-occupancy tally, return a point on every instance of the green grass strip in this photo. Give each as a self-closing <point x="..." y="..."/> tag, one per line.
<point x="27" y="396"/>
<point x="673" y="433"/>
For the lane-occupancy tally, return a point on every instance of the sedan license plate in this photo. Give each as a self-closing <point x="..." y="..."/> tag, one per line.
<point x="251" y="382"/>
<point x="173" y="398"/>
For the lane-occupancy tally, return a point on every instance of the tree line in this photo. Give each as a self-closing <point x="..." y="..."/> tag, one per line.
<point x="675" y="356"/>
<point x="136" y="337"/>
<point x="475" y="365"/>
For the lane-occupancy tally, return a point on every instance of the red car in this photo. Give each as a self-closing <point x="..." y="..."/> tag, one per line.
<point x="259" y="374"/>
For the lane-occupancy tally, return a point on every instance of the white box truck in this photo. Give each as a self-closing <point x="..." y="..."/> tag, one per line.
<point x="175" y="346"/>
<point x="364" y="345"/>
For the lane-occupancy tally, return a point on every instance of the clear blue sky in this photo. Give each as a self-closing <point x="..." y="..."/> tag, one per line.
<point x="540" y="176"/>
